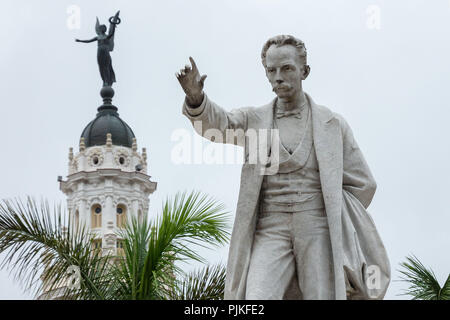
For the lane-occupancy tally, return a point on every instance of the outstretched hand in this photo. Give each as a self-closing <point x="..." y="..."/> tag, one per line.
<point x="192" y="83"/>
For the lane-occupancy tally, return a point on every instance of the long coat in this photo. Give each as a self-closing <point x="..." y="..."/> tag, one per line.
<point x="343" y="170"/>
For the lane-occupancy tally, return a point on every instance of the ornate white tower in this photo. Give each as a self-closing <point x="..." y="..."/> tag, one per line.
<point x="108" y="181"/>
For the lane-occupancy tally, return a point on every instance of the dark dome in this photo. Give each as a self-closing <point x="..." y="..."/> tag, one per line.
<point x="108" y="121"/>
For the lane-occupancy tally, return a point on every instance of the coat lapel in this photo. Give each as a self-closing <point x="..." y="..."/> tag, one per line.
<point x="261" y="121"/>
<point x="247" y="208"/>
<point x="327" y="138"/>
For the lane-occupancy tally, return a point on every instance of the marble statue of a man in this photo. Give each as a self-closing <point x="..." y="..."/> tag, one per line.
<point x="301" y="232"/>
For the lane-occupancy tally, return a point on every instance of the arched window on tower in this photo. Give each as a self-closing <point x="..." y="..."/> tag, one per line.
<point x="96" y="216"/>
<point x="121" y="216"/>
<point x="119" y="246"/>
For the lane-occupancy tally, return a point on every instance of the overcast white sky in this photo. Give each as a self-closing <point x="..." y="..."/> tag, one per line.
<point x="390" y="83"/>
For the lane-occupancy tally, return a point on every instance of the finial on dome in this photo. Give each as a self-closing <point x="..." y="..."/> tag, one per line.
<point x="82" y="145"/>
<point x="144" y="154"/>
<point x="107" y="93"/>
<point x="134" y="145"/>
<point x="109" y="140"/>
<point x="70" y="154"/>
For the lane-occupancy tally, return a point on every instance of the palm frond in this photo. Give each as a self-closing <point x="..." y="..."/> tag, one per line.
<point x="151" y="249"/>
<point x="207" y="283"/>
<point x="423" y="284"/>
<point x="39" y="249"/>
<point x="445" y="291"/>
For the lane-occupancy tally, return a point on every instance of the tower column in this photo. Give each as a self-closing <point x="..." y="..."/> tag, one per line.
<point x="109" y="212"/>
<point x="109" y="237"/>
<point x="135" y="208"/>
<point x="85" y="214"/>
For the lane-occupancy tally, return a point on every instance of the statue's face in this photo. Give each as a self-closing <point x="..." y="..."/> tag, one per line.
<point x="103" y="28"/>
<point x="285" y="70"/>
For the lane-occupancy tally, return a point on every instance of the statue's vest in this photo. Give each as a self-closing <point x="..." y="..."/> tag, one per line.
<point x="296" y="186"/>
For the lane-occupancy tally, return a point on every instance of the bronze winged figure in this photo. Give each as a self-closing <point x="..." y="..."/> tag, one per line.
<point x="105" y="43"/>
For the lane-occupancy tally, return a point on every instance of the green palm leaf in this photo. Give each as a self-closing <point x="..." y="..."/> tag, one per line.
<point x="207" y="283"/>
<point x="423" y="284"/>
<point x="149" y="268"/>
<point x="34" y="239"/>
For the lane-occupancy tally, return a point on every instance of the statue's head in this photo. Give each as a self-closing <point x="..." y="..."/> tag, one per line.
<point x="102" y="28"/>
<point x="284" y="59"/>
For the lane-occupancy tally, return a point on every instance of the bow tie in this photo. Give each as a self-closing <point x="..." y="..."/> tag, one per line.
<point x="295" y="113"/>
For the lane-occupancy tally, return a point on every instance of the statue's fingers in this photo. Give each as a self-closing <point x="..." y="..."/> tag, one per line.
<point x="187" y="68"/>
<point x="194" y="65"/>
<point x="181" y="81"/>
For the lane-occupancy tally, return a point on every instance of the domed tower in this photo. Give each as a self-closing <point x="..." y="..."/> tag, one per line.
<point x="108" y="181"/>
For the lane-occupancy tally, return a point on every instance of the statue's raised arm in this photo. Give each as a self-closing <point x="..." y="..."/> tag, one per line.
<point x="113" y="21"/>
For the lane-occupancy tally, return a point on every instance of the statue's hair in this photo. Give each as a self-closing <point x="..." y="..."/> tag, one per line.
<point x="282" y="40"/>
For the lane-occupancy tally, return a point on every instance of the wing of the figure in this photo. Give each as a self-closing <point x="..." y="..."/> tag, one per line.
<point x="97" y="27"/>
